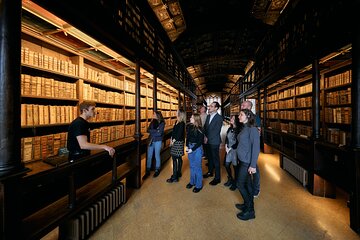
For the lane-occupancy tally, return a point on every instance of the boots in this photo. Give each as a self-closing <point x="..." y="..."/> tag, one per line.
<point x="147" y="173"/>
<point x="174" y="176"/>
<point x="180" y="163"/>
<point x="233" y="185"/>
<point x="229" y="182"/>
<point x="230" y="179"/>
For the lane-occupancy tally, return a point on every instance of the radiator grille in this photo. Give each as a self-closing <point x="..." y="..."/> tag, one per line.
<point x="88" y="220"/>
<point x="298" y="172"/>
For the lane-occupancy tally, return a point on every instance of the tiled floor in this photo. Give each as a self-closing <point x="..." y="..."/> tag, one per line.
<point x="284" y="210"/>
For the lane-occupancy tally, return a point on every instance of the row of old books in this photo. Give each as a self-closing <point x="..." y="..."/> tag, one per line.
<point x="104" y="78"/>
<point x="288" y="127"/>
<point x="108" y="114"/>
<point x="100" y="95"/>
<point x="287" y="93"/>
<point x="337" y="136"/>
<point x="145" y="91"/>
<point x="163" y="96"/>
<point x="303" y="89"/>
<point x="146" y="102"/>
<point x="303" y="114"/>
<point x="303" y="130"/>
<point x="42" y="147"/>
<point x="304" y="102"/>
<point x="46" y="87"/>
<point x="129" y="99"/>
<point x="272" y="114"/>
<point x="339" y="97"/>
<point x="163" y="105"/>
<point x="33" y="114"/>
<point x="272" y="97"/>
<point x="287" y="115"/>
<point x="48" y="62"/>
<point x="338" y="115"/>
<point x="129" y="86"/>
<point x="339" y="79"/>
<point x="289" y="103"/>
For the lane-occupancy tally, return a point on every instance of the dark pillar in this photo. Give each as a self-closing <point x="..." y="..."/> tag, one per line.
<point x="355" y="126"/>
<point x="155" y="92"/>
<point x="136" y="180"/>
<point x="179" y="100"/>
<point x="10" y="159"/>
<point x="10" y="48"/>
<point x="316" y="99"/>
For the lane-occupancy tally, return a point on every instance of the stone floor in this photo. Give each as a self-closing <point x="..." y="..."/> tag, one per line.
<point x="284" y="210"/>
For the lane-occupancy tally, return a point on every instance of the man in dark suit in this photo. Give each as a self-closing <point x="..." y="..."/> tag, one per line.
<point x="212" y="140"/>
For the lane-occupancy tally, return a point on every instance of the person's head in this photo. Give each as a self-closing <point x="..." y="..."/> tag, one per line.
<point x="87" y="109"/>
<point x="202" y="109"/>
<point x="246" y="105"/>
<point x="213" y="107"/>
<point x="247" y="117"/>
<point x="196" y="120"/>
<point x="158" y="116"/>
<point x="181" y="115"/>
<point x="234" y="121"/>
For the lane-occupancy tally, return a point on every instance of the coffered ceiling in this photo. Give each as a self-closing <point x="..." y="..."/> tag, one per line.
<point x="217" y="39"/>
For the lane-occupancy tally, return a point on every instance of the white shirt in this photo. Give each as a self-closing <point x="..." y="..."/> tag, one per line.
<point x="212" y="115"/>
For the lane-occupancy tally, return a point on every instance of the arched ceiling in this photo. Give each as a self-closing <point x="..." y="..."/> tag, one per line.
<point x="217" y="39"/>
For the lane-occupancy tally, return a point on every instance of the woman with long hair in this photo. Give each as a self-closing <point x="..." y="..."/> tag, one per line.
<point x="230" y="147"/>
<point x="248" y="150"/>
<point x="194" y="140"/>
<point x="156" y="131"/>
<point x="177" y="145"/>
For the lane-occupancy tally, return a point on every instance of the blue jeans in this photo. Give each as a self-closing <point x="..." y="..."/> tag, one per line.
<point x="195" y="166"/>
<point x="155" y="146"/>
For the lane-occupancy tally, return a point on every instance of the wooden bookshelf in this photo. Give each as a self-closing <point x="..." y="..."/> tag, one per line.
<point x="61" y="70"/>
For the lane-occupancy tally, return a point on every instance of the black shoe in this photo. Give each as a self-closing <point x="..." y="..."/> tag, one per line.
<point x="228" y="183"/>
<point x="256" y="194"/>
<point x="189" y="185"/>
<point x="214" y="182"/>
<point x="240" y="206"/>
<point x="147" y="173"/>
<point x="196" y="190"/>
<point x="206" y="175"/>
<point x="157" y="173"/>
<point x="233" y="187"/>
<point x="246" y="215"/>
<point x="171" y="180"/>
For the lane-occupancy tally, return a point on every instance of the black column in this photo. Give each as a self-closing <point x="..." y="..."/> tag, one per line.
<point x="10" y="48"/>
<point x="155" y="92"/>
<point x="355" y="126"/>
<point x="10" y="159"/>
<point x="136" y="180"/>
<point x="179" y="100"/>
<point x="316" y="99"/>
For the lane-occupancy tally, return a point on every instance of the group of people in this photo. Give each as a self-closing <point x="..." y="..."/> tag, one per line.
<point x="200" y="138"/>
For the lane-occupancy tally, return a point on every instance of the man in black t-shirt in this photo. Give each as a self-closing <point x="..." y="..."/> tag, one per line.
<point x="79" y="134"/>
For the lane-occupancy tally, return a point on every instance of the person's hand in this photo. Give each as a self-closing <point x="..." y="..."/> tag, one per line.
<point x="205" y="140"/>
<point x="189" y="150"/>
<point x="251" y="170"/>
<point x="227" y="149"/>
<point x="110" y="150"/>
